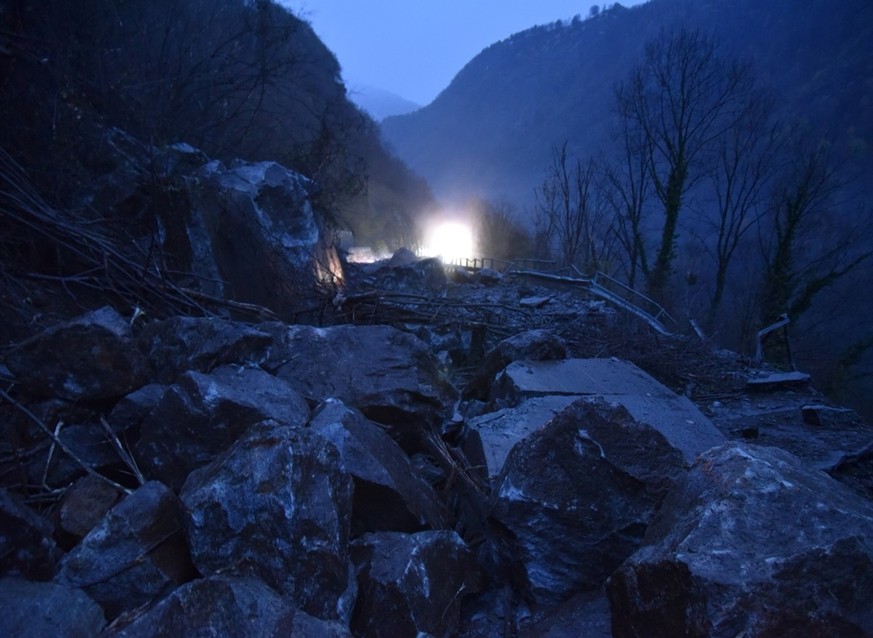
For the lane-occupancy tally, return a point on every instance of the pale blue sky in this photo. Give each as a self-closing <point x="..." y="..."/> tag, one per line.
<point x="415" y="47"/>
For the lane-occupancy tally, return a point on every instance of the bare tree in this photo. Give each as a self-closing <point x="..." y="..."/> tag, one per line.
<point x="626" y="186"/>
<point x="568" y="210"/>
<point x="681" y="98"/>
<point x="498" y="230"/>
<point x="746" y="160"/>
<point x="807" y="244"/>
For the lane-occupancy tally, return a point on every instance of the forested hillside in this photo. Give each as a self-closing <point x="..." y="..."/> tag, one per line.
<point x="716" y="155"/>
<point x="491" y="131"/>
<point x="235" y="79"/>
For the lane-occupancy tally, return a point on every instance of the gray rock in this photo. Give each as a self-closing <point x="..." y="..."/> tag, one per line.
<point x="252" y="228"/>
<point x="578" y="493"/>
<point x="220" y="606"/>
<point x="179" y="344"/>
<point x="408" y="273"/>
<point x="90" y="357"/>
<point x="488" y="277"/>
<point x="856" y="470"/>
<point x="391" y="376"/>
<point x="753" y="543"/>
<point x="130" y="411"/>
<point x="677" y="418"/>
<point x="36" y="610"/>
<point x="488" y="439"/>
<point x="84" y="503"/>
<point x="411" y="584"/>
<point x="27" y="546"/>
<point x="531" y="345"/>
<point x="276" y="506"/>
<point x="388" y="493"/>
<point x="582" y="615"/>
<point x="136" y="553"/>
<point x="205" y="413"/>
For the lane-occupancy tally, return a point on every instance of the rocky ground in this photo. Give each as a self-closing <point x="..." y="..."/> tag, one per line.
<point x="459" y="454"/>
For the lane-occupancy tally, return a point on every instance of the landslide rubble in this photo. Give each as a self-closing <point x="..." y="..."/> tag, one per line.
<point x="444" y="461"/>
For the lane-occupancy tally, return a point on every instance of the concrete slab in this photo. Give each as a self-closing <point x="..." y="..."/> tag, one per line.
<point x="617" y="381"/>
<point x="773" y="379"/>
<point x="578" y="377"/>
<point x="489" y="438"/>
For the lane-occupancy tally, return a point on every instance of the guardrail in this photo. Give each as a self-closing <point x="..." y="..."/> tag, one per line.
<point x="504" y="265"/>
<point x="638" y="299"/>
<point x="478" y="263"/>
<point x="600" y="284"/>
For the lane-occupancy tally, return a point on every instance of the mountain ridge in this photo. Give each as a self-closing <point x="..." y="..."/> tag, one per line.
<point x="379" y="103"/>
<point x="490" y="132"/>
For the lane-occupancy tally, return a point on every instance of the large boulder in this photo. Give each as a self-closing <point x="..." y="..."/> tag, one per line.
<point x="203" y="414"/>
<point x="411" y="584"/>
<point x="90" y="357"/>
<point x="389" y="495"/>
<point x="253" y="232"/>
<point x="36" y="610"/>
<point x="276" y="506"/>
<point x="391" y="376"/>
<point x="488" y="439"/>
<point x="531" y="345"/>
<point x="179" y="344"/>
<point x="617" y="381"/>
<point x="220" y="606"/>
<point x="578" y="493"/>
<point x="136" y="553"/>
<point x="405" y="271"/>
<point x="754" y="543"/>
<point x="129" y="412"/>
<point x="27" y="546"/>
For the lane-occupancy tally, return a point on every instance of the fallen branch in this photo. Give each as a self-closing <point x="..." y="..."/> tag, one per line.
<point x="57" y="441"/>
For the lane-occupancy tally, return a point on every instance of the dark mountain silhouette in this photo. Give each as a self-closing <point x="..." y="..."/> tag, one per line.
<point x="490" y="133"/>
<point x="493" y="133"/>
<point x="233" y="78"/>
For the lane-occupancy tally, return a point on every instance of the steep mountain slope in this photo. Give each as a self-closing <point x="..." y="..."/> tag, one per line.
<point x="490" y="132"/>
<point x="233" y="78"/>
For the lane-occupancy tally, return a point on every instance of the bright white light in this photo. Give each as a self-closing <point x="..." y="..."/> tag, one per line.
<point x="449" y="240"/>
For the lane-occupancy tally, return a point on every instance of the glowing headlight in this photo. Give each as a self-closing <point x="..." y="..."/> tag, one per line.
<point x="449" y="240"/>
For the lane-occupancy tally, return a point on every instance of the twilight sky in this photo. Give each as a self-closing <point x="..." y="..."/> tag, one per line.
<point x="415" y="47"/>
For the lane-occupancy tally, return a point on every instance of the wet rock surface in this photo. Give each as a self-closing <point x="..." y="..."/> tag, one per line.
<point x="84" y="504"/>
<point x="332" y="483"/>
<point x="179" y="344"/>
<point x="134" y="554"/>
<point x="204" y="414"/>
<point x="751" y="542"/>
<point x="592" y="474"/>
<point x="531" y="345"/>
<point x="276" y="506"/>
<point x="255" y="234"/>
<point x="35" y="610"/>
<point x="389" y="375"/>
<point x="411" y="585"/>
<point x="224" y="606"/>
<point x="87" y="358"/>
<point x="388" y="494"/>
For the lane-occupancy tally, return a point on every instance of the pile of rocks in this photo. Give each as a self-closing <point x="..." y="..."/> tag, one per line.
<point x="226" y="478"/>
